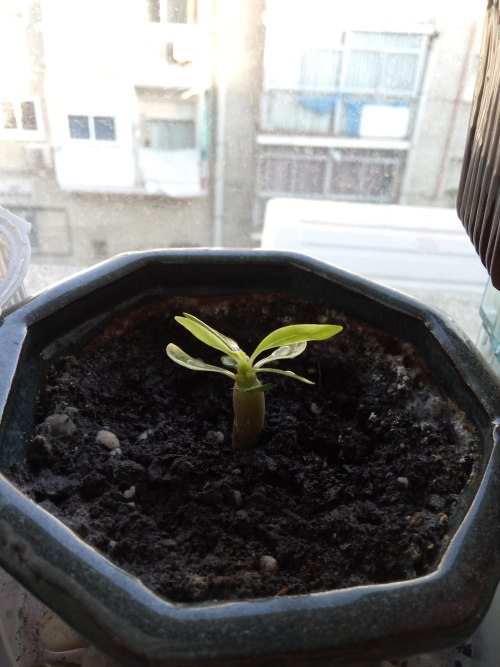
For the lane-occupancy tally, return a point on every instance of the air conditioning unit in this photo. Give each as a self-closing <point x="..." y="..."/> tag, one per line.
<point x="39" y="156"/>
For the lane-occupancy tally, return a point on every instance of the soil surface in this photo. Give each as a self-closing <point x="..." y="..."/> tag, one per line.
<point x="354" y="481"/>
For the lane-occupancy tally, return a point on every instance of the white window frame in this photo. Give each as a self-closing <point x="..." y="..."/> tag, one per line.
<point x="345" y="49"/>
<point x="91" y="124"/>
<point x="350" y="49"/>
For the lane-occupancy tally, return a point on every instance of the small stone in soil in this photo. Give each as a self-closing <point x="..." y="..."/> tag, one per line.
<point x="215" y="437"/>
<point x="129" y="493"/>
<point x="58" y="426"/>
<point x="268" y="564"/>
<point x="107" y="439"/>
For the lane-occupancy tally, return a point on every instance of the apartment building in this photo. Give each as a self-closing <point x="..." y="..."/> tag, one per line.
<point x="128" y="125"/>
<point x="367" y="102"/>
<point x="104" y="141"/>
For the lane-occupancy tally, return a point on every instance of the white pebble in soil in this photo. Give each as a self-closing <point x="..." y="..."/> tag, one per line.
<point x="268" y="564"/>
<point x="403" y="481"/>
<point x="58" y="426"/>
<point x="108" y="439"/>
<point x="215" y="437"/>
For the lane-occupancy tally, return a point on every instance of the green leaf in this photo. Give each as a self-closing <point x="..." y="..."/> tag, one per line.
<point x="290" y="374"/>
<point x="183" y="359"/>
<point x="259" y="387"/>
<point x="295" y="333"/>
<point x="209" y="336"/>
<point x="231" y="362"/>
<point x="283" y="352"/>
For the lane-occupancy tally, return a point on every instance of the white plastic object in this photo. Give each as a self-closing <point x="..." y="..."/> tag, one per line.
<point x="15" y="253"/>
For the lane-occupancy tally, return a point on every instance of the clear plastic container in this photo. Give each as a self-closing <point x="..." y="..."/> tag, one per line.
<point x="489" y="337"/>
<point x="15" y="253"/>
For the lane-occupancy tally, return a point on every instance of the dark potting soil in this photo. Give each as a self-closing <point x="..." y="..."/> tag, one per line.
<point x="354" y="481"/>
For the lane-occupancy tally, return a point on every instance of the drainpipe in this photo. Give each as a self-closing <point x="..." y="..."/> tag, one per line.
<point x="438" y="190"/>
<point x="219" y="116"/>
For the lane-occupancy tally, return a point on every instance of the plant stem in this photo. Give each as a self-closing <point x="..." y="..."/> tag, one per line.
<point x="249" y="412"/>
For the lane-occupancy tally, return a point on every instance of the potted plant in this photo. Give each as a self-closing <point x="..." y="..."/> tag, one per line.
<point x="135" y="626"/>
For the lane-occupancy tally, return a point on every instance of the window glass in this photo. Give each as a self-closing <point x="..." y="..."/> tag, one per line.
<point x="320" y="69"/>
<point x="104" y="128"/>
<point x="177" y="11"/>
<point x="154" y="10"/>
<point x="171" y="134"/>
<point x="203" y="113"/>
<point x="364" y="71"/>
<point x="8" y="117"/>
<point x="79" y="127"/>
<point x="28" y="116"/>
<point x="298" y="112"/>
<point x="399" y="72"/>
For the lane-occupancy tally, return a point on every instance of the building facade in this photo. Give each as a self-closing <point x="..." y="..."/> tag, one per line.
<point x="361" y="105"/>
<point x="105" y="133"/>
<point x="167" y="123"/>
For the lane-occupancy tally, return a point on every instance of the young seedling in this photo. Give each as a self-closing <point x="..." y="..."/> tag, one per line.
<point x="248" y="391"/>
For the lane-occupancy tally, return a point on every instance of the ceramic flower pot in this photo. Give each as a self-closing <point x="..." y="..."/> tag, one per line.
<point x="135" y="627"/>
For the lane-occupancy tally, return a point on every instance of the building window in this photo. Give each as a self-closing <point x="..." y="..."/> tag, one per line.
<point x="293" y="171"/>
<point x="154" y="14"/>
<point x="361" y="175"/>
<point x="172" y="11"/>
<point x="99" y="128"/>
<point x="79" y="127"/>
<point x="9" y="121"/>
<point x="104" y="128"/>
<point x="170" y="134"/>
<point x="18" y="115"/>
<point x="334" y="92"/>
<point x="372" y="175"/>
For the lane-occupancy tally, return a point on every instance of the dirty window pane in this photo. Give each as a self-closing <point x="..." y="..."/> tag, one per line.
<point x="28" y="116"/>
<point x="202" y="112"/>
<point x="79" y="127"/>
<point x="399" y="71"/>
<point x="154" y="11"/>
<point x="8" y="117"/>
<point x="104" y="128"/>
<point x="298" y="112"/>
<point x="364" y="70"/>
<point x="171" y="134"/>
<point x="320" y="69"/>
<point x="177" y="11"/>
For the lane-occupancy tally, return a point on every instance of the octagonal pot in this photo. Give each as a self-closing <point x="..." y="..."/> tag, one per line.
<point x="135" y="627"/>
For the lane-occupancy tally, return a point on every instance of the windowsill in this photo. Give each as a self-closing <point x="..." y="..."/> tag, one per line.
<point x="174" y="190"/>
<point x="22" y="135"/>
<point x="333" y="142"/>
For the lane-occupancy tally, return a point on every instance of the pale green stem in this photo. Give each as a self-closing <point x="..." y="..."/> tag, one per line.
<point x="249" y="414"/>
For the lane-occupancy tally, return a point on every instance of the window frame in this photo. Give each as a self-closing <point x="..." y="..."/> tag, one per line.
<point x="340" y="88"/>
<point x="331" y="159"/>
<point x="91" y="123"/>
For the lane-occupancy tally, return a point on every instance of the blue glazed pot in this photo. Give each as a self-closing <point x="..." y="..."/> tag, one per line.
<point x="135" y="627"/>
